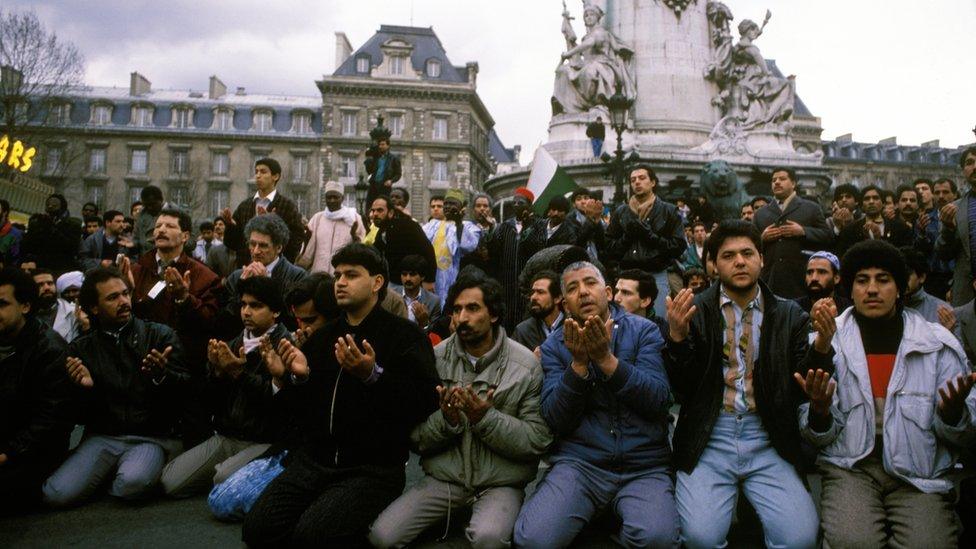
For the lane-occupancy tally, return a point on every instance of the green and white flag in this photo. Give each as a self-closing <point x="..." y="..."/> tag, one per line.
<point x="547" y="180"/>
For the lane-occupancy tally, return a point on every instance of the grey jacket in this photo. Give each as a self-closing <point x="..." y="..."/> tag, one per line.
<point x="954" y="244"/>
<point x="502" y="449"/>
<point x="966" y="329"/>
<point x="916" y="440"/>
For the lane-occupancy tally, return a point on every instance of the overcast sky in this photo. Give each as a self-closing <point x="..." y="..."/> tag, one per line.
<point x="877" y="68"/>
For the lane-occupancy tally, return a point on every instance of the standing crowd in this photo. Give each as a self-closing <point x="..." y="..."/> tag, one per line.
<point x="665" y="368"/>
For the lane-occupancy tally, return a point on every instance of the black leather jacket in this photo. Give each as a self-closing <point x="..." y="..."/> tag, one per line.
<point x="35" y="395"/>
<point x="652" y="244"/>
<point x="244" y="408"/>
<point x="124" y="400"/>
<point x="695" y="370"/>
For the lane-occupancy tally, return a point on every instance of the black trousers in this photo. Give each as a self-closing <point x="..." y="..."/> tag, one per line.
<point x="310" y="505"/>
<point x="20" y="482"/>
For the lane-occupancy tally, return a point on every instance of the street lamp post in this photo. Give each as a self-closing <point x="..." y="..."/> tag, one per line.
<point x="362" y="189"/>
<point x="619" y="106"/>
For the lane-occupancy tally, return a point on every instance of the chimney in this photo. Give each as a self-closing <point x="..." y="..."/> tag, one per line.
<point x="846" y="138"/>
<point x="217" y="88"/>
<point x="240" y="91"/>
<point x="139" y="85"/>
<point x="893" y="140"/>
<point x="934" y="144"/>
<point x="516" y="152"/>
<point x="343" y="48"/>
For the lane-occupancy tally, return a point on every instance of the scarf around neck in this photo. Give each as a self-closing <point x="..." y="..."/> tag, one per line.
<point x="642" y="209"/>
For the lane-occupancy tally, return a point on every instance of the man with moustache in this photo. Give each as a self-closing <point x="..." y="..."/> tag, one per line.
<point x="789" y="225"/>
<point x="957" y="240"/>
<point x="509" y="249"/>
<point x="606" y="398"/>
<point x="46" y="306"/>
<point x="129" y="374"/>
<point x="452" y="238"/>
<point x="940" y="276"/>
<point x="822" y="278"/>
<point x="423" y="307"/>
<point x="874" y="225"/>
<point x="545" y="311"/>
<point x="482" y="446"/>
<point x="400" y="236"/>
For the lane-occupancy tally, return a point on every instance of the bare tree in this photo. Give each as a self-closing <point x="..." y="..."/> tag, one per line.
<point x="37" y="74"/>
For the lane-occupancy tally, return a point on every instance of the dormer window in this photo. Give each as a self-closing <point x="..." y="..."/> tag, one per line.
<point x="142" y="116"/>
<point x="397" y="63"/>
<point x="362" y="64"/>
<point x="433" y="68"/>
<point x="60" y="114"/>
<point x="182" y="117"/>
<point x="262" y="121"/>
<point x="224" y="120"/>
<point x="301" y="122"/>
<point x="101" y="114"/>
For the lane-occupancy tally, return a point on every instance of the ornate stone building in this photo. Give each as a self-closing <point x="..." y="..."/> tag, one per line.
<point x="888" y="164"/>
<point x="441" y="130"/>
<point x="199" y="147"/>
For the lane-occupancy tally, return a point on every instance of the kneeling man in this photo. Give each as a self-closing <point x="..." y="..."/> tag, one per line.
<point x="606" y="397"/>
<point x="888" y="426"/>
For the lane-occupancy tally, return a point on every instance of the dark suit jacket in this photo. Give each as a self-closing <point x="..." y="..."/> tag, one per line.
<point x="784" y="261"/>
<point x="954" y="244"/>
<point x="402" y="237"/>
<point x="285" y="274"/>
<point x="896" y="233"/>
<point x="236" y="240"/>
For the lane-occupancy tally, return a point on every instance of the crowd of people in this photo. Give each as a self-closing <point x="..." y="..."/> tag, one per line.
<point x="665" y="366"/>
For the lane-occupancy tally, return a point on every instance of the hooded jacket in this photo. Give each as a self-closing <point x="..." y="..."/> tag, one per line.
<point x="504" y="447"/>
<point x="918" y="448"/>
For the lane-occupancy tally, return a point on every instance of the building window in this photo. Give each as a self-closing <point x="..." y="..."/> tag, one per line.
<point x="434" y="68"/>
<point x="439" y="172"/>
<point x="440" y="128"/>
<point x="301" y="202"/>
<point x="219" y="199"/>
<point x="101" y="115"/>
<point x="299" y="169"/>
<point x="347" y="166"/>
<point x="397" y="63"/>
<point x="302" y="122"/>
<point x="142" y="116"/>
<point x="262" y="121"/>
<point x="219" y="164"/>
<point x="60" y="114"/>
<point x="96" y="161"/>
<point x="139" y="161"/>
<point x="179" y="162"/>
<point x="180" y="197"/>
<point x="362" y="65"/>
<point x="224" y="120"/>
<point x="96" y="194"/>
<point x="182" y="117"/>
<point x="349" y="123"/>
<point x="53" y="163"/>
<point x="396" y="125"/>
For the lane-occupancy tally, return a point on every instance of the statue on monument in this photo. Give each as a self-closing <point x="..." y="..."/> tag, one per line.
<point x="750" y="95"/>
<point x="589" y="72"/>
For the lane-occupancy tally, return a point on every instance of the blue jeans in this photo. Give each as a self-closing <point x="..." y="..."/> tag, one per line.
<point x="573" y="491"/>
<point x="597" y="145"/>
<point x="739" y="453"/>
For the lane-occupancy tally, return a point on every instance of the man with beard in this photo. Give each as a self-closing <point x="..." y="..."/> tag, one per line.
<point x="545" y="310"/>
<point x="940" y="276"/>
<point x="69" y="321"/>
<point x="746" y="213"/>
<point x="483" y="445"/>
<point x="46" y="306"/>
<point x="874" y="225"/>
<point x="731" y="354"/>
<point x="606" y="398"/>
<point x="372" y="381"/>
<point x="400" y="236"/>
<point x="330" y="229"/>
<point x="956" y="241"/>
<point x="452" y="238"/>
<point x="646" y="233"/>
<point x="423" y="307"/>
<point x="52" y="238"/>
<point x="823" y="275"/>
<point x="35" y="419"/>
<point x="129" y="374"/>
<point x="509" y="250"/>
